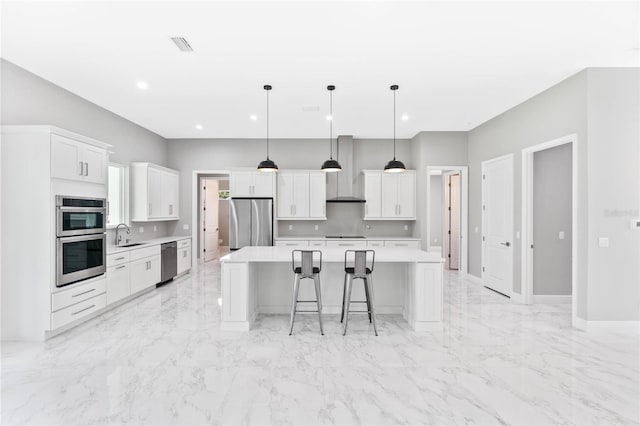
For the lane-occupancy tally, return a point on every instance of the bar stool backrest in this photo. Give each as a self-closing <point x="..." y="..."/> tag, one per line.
<point x="307" y="261"/>
<point x="360" y="261"/>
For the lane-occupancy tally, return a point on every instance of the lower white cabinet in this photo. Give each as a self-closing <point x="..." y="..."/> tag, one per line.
<point x="144" y="273"/>
<point x="79" y="310"/>
<point x="77" y="293"/>
<point x="347" y="243"/>
<point x="317" y="243"/>
<point x="118" y="282"/>
<point x="184" y="258"/>
<point x="375" y="243"/>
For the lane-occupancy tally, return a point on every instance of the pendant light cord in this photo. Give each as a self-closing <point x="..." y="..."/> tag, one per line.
<point x="394" y="124"/>
<point x="268" y="124"/>
<point x="331" y="124"/>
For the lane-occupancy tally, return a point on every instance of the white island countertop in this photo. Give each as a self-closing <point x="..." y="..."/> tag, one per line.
<point x="330" y="254"/>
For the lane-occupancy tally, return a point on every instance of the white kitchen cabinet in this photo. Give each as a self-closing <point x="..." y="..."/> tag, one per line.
<point x="302" y="195"/>
<point x="155" y="193"/>
<point x="184" y="258"/>
<point x="75" y="160"/>
<point x="292" y="243"/>
<point x="118" y="282"/>
<point x="348" y="244"/>
<point x="243" y="183"/>
<point x="372" y="195"/>
<point x="389" y="196"/>
<point x="144" y="273"/>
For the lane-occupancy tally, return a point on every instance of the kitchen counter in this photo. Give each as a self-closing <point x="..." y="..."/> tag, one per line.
<point x="112" y="249"/>
<point x="407" y="282"/>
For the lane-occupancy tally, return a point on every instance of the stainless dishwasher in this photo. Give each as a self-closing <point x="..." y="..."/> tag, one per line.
<point x="169" y="264"/>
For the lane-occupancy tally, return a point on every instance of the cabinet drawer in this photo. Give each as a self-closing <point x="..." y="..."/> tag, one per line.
<point x="375" y="243"/>
<point x="347" y="243"/>
<point x="291" y="243"/>
<point x="79" y="310"/>
<point x="184" y="260"/>
<point x="184" y="243"/>
<point x="77" y="294"/>
<point x="404" y="244"/>
<point x="118" y="282"/>
<point x="144" y="252"/>
<point x="317" y="243"/>
<point x="118" y="258"/>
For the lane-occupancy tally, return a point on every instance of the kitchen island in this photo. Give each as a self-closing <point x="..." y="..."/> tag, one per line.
<point x="256" y="280"/>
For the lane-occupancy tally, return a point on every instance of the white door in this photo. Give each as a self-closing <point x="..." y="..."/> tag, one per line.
<point x="301" y="194"/>
<point x="389" y="195"/>
<point x="285" y="194"/>
<point x="497" y="224"/>
<point x="406" y="195"/>
<point x="95" y="163"/>
<point x="372" y="194"/>
<point x="66" y="161"/>
<point x="241" y="184"/>
<point x="262" y="184"/>
<point x="155" y="193"/>
<point x="210" y="219"/>
<point x="451" y="220"/>
<point x="317" y="194"/>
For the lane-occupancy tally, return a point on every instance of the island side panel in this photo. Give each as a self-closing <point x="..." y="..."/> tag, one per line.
<point x="426" y="296"/>
<point x="237" y="297"/>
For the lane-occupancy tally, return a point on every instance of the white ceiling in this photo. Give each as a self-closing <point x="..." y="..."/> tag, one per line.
<point x="457" y="63"/>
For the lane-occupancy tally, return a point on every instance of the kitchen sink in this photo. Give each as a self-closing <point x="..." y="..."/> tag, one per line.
<point x="131" y="245"/>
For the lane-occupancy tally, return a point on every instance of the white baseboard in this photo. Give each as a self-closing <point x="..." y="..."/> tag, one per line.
<point x="516" y="297"/>
<point x="625" y="327"/>
<point x="473" y="279"/>
<point x="552" y="299"/>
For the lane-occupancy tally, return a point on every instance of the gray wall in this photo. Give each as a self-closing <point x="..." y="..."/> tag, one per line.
<point x="223" y="214"/>
<point x="434" y="149"/>
<point x="551" y="215"/>
<point x="436" y="198"/>
<point x="30" y="100"/>
<point x="614" y="193"/>
<point x="188" y="155"/>
<point x="558" y="111"/>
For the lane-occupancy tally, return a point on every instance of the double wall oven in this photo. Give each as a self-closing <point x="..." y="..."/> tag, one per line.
<point x="81" y="246"/>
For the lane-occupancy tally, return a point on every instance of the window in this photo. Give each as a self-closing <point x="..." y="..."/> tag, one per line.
<point x="118" y="202"/>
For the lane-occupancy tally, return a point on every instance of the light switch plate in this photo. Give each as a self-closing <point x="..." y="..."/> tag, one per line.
<point x="603" y="242"/>
<point x="141" y="229"/>
<point x="155" y="228"/>
<point x="290" y="227"/>
<point x="406" y="227"/>
<point x="476" y="229"/>
<point x="315" y="227"/>
<point x="517" y="235"/>
<point x="561" y="235"/>
<point x="185" y="226"/>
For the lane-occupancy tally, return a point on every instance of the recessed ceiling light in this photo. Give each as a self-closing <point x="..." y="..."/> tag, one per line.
<point x="253" y="117"/>
<point x="142" y="85"/>
<point x="404" y="117"/>
<point x="329" y="118"/>
<point x="199" y="126"/>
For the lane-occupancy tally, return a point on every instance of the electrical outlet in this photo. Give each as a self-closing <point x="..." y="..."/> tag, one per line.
<point x="185" y="226"/>
<point x="290" y="227"/>
<point x="368" y="226"/>
<point x="561" y="235"/>
<point x="155" y="228"/>
<point x="603" y="242"/>
<point x="517" y="235"/>
<point x="476" y="229"/>
<point x="141" y="229"/>
<point x="406" y="227"/>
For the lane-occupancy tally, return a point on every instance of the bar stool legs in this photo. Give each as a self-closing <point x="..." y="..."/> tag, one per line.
<point x="372" y="302"/>
<point x="294" y="302"/>
<point x="347" y="302"/>
<point x="316" y="281"/>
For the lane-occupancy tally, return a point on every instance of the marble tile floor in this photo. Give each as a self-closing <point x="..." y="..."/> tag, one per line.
<point x="162" y="359"/>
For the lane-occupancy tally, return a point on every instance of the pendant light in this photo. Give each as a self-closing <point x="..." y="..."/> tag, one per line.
<point x="331" y="165"/>
<point x="394" y="166"/>
<point x="267" y="165"/>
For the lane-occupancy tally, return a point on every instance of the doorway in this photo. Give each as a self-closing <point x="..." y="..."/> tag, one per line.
<point x="549" y="241"/>
<point x="497" y="224"/>
<point x="446" y="222"/>
<point x="210" y="211"/>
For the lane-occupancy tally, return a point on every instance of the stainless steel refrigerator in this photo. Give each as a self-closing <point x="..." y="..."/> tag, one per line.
<point x="250" y="222"/>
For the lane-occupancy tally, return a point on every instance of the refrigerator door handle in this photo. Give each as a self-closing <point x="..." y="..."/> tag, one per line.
<point x="257" y="218"/>
<point x="234" y="218"/>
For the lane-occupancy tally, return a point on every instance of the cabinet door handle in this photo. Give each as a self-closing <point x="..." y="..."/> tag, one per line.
<point x="184" y="253"/>
<point x="121" y="266"/>
<point x="366" y="210"/>
<point x="84" y="292"/>
<point x="120" y="258"/>
<point x="86" y="169"/>
<point x="82" y="310"/>
<point x="81" y="164"/>
<point x="150" y="210"/>
<point x="399" y="209"/>
<point x="170" y="209"/>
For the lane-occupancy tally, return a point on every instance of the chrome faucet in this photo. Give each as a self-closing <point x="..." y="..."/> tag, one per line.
<point x="119" y="237"/>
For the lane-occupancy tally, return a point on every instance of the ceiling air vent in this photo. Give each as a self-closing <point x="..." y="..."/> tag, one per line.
<point x="182" y="44"/>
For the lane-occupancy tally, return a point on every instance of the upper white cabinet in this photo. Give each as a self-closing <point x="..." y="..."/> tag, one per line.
<point x="389" y="196"/>
<point x="245" y="183"/>
<point x="75" y="160"/>
<point x="302" y="195"/>
<point x="155" y="193"/>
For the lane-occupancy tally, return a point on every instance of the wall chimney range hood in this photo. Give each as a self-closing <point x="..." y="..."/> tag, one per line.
<point x="340" y="185"/>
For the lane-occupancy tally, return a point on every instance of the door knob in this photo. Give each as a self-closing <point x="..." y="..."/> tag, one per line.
<point x="506" y="244"/>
